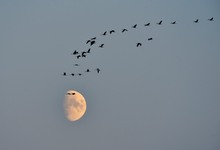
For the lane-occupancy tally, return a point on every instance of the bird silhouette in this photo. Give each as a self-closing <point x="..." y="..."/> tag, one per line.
<point x="87" y="70"/>
<point x="79" y="74"/>
<point x="92" y="42"/>
<point x="149" y="39"/>
<point x="148" y="24"/>
<point x="76" y="64"/>
<point x="93" y="38"/>
<point x="78" y="56"/>
<point x="101" y="46"/>
<point x="211" y="19"/>
<point x="112" y="31"/>
<point x="124" y="30"/>
<point x="134" y="26"/>
<point x="196" y="21"/>
<point x="88" y="41"/>
<point x="159" y="23"/>
<point x="98" y="70"/>
<point x="64" y="73"/>
<point x="83" y="54"/>
<point x="173" y="22"/>
<point x="139" y="44"/>
<point x="72" y="74"/>
<point x="104" y="33"/>
<point x="89" y="50"/>
<point x="75" y="52"/>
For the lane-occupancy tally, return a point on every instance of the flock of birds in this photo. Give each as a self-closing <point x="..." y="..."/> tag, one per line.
<point x="92" y="41"/>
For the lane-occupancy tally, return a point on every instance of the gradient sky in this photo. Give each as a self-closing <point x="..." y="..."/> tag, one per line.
<point x="163" y="95"/>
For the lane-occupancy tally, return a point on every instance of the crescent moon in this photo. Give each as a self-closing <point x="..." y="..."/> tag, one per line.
<point x="74" y="105"/>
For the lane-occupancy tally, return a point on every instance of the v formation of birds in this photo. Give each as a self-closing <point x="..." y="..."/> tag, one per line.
<point x="92" y="41"/>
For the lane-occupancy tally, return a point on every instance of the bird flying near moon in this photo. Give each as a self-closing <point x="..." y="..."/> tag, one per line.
<point x="74" y="105"/>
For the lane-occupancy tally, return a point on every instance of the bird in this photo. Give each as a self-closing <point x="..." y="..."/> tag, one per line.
<point x="89" y="50"/>
<point x="148" y="24"/>
<point x="159" y="23"/>
<point x="76" y="64"/>
<point x="98" y="70"/>
<point x="88" y="41"/>
<point x="211" y="19"/>
<point x="149" y="39"/>
<point x="139" y="44"/>
<point x="87" y="70"/>
<point x="196" y="21"/>
<point x="72" y="74"/>
<point x="124" y="30"/>
<point x="78" y="56"/>
<point x="79" y="74"/>
<point x="93" y="38"/>
<point x="112" y="31"/>
<point x="101" y="46"/>
<point x="75" y="52"/>
<point x="134" y="26"/>
<point x="64" y="73"/>
<point x="92" y="42"/>
<point x="104" y="33"/>
<point x="83" y="54"/>
<point x="173" y="22"/>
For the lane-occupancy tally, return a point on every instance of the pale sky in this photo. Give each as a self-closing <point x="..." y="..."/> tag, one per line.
<point x="162" y="95"/>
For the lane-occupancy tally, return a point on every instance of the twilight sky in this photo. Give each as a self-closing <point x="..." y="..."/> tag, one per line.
<point x="162" y="95"/>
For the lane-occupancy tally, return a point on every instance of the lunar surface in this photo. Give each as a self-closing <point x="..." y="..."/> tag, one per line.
<point x="74" y="105"/>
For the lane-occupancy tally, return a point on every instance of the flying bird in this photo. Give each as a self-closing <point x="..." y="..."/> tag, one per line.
<point x="89" y="50"/>
<point x="92" y="42"/>
<point x="88" y="41"/>
<point x="101" y="46"/>
<point x="148" y="24"/>
<point x="134" y="26"/>
<point x="72" y="74"/>
<point x="211" y="19"/>
<point x="139" y="44"/>
<point x="196" y="21"/>
<point x="83" y="54"/>
<point x="76" y="64"/>
<point x="79" y="74"/>
<point x="98" y="70"/>
<point x="173" y="22"/>
<point x="112" y="31"/>
<point x="64" y="73"/>
<point x="124" y="30"/>
<point x="149" y="39"/>
<point x="78" y="56"/>
<point x="104" y="33"/>
<point x="87" y="70"/>
<point x="75" y="52"/>
<point x="93" y="38"/>
<point x="159" y="23"/>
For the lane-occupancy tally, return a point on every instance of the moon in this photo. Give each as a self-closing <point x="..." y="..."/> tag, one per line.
<point x="74" y="105"/>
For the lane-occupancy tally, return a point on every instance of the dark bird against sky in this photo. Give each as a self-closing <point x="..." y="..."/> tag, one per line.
<point x="148" y="24"/>
<point x="159" y="23"/>
<point x="124" y="30"/>
<point x="112" y="31"/>
<point x="196" y="21"/>
<point x="101" y="46"/>
<point x="211" y="19"/>
<point x="139" y="44"/>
